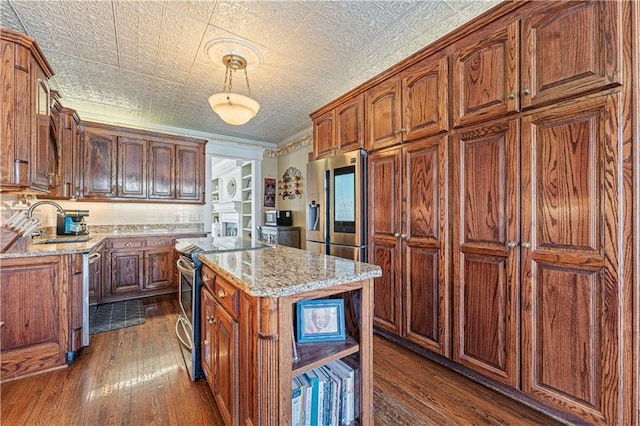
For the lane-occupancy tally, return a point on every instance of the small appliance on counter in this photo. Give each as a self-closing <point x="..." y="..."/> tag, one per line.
<point x="72" y="223"/>
<point x="278" y="218"/>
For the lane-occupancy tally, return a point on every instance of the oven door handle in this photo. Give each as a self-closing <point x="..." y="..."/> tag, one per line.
<point x="184" y="268"/>
<point x="184" y="325"/>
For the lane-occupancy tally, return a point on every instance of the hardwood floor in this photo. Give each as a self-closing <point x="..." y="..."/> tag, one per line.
<point x="136" y="376"/>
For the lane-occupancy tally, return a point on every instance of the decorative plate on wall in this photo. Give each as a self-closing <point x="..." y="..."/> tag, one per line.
<point x="231" y="187"/>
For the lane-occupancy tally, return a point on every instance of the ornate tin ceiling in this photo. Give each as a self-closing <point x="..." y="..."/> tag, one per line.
<point x="143" y="63"/>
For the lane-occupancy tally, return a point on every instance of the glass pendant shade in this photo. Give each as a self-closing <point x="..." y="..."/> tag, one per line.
<point x="234" y="108"/>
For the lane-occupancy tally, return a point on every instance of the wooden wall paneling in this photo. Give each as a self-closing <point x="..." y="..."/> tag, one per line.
<point x="569" y="49"/>
<point x="425" y="264"/>
<point x="573" y="303"/>
<point x="425" y="94"/>
<point x="486" y="75"/>
<point x="485" y="259"/>
<point x="385" y="227"/>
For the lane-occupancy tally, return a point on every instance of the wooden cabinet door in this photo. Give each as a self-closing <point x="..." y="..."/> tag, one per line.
<point x="159" y="269"/>
<point x="425" y="93"/>
<point x="132" y="168"/>
<point x="43" y="149"/>
<point x="324" y="139"/>
<point x="349" y="125"/>
<point x="425" y="261"/>
<point x="570" y="48"/>
<point x="34" y="313"/>
<point x="486" y="287"/>
<point x="127" y="271"/>
<point x="485" y="76"/>
<point x="383" y="115"/>
<point x="161" y="165"/>
<point x="99" y="165"/>
<point x="226" y="389"/>
<point x="573" y="300"/>
<point x="189" y="172"/>
<point x="385" y="174"/>
<point x="207" y="344"/>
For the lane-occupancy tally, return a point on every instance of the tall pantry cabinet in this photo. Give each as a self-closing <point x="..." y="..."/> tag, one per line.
<point x="536" y="141"/>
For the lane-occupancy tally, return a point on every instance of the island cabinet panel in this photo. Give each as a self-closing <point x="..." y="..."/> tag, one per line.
<point x="100" y="165"/>
<point x="189" y="172"/>
<point x="248" y="346"/>
<point x="409" y="241"/>
<point x="132" y="168"/>
<point x="572" y="293"/>
<point x="570" y="48"/>
<point x="34" y="315"/>
<point x="485" y="264"/>
<point x="486" y="75"/>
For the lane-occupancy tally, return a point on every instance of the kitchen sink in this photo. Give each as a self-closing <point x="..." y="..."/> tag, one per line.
<point x="65" y="240"/>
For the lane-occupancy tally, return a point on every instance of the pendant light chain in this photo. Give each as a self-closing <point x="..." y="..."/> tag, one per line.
<point x="246" y="77"/>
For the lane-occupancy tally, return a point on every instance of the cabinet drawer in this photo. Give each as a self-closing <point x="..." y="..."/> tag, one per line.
<point x="159" y="242"/>
<point x="227" y="295"/>
<point x="126" y="243"/>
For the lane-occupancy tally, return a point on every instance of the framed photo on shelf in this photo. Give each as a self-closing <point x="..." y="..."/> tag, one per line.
<point x="269" y="192"/>
<point x="320" y="320"/>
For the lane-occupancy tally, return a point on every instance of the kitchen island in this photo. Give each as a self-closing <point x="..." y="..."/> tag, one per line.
<point x="248" y="316"/>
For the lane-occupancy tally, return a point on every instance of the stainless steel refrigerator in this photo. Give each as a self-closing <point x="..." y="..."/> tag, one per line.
<point x="336" y="206"/>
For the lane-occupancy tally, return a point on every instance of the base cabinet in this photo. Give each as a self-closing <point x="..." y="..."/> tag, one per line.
<point x="247" y="349"/>
<point x="39" y="318"/>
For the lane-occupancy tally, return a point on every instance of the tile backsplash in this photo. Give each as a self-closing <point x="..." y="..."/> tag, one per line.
<point x="107" y="213"/>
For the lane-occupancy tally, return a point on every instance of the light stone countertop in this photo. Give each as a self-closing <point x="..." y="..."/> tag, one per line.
<point x="35" y="248"/>
<point x="283" y="271"/>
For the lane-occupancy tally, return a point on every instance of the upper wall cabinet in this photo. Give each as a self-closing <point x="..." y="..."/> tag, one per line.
<point x="126" y="164"/>
<point x="567" y="49"/>
<point x="340" y="129"/>
<point x="409" y="106"/>
<point x="26" y="152"/>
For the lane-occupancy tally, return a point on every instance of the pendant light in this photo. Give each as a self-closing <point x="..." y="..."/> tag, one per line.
<point x="234" y="108"/>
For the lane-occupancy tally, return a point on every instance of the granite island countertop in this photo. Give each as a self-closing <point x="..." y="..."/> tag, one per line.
<point x="282" y="271"/>
<point x="36" y="248"/>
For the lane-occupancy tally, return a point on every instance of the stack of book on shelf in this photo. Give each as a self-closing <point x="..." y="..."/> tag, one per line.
<point x="326" y="396"/>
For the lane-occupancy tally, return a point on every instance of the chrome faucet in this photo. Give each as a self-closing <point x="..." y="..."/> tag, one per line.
<point x="34" y="205"/>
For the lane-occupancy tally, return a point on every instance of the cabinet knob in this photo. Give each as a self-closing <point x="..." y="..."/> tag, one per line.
<point x="526" y="244"/>
<point x="397" y="235"/>
<point x="511" y="96"/>
<point x="159" y="243"/>
<point x="222" y="294"/>
<point x="127" y="244"/>
<point x="404" y="236"/>
<point x="512" y="244"/>
<point x="211" y="320"/>
<point x="526" y="92"/>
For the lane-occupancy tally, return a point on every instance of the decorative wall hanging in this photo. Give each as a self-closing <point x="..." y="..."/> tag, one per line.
<point x="269" y="192"/>
<point x="290" y="184"/>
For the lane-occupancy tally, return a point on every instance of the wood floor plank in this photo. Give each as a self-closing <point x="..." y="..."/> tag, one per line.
<point x="137" y="376"/>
